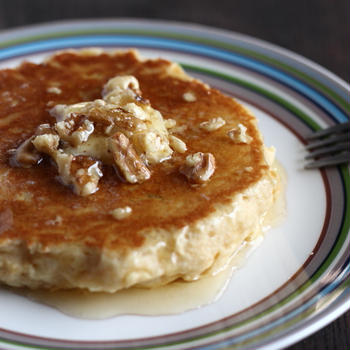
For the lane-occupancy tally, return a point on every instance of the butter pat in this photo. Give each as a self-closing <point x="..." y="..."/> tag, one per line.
<point x="121" y="129"/>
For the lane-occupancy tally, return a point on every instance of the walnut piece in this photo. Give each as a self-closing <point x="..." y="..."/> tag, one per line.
<point x="212" y="124"/>
<point x="121" y="213"/>
<point x="75" y="130"/>
<point x="239" y="134"/>
<point x="54" y="90"/>
<point x="189" y="97"/>
<point x="170" y="123"/>
<point x="82" y="173"/>
<point x="177" y="145"/>
<point x="85" y="173"/>
<point x="26" y="155"/>
<point x="126" y="159"/>
<point x="46" y="143"/>
<point x="198" y="167"/>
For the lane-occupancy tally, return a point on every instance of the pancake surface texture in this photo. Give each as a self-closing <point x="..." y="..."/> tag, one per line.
<point x="172" y="224"/>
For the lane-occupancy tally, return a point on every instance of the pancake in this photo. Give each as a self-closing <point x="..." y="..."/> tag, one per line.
<point x="177" y="202"/>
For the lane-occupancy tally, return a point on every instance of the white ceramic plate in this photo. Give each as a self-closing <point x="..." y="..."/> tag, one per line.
<point x="296" y="281"/>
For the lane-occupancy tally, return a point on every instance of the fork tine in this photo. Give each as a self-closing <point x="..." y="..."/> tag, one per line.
<point x="333" y="160"/>
<point x="334" y="142"/>
<point x="328" y="141"/>
<point x="329" y="131"/>
<point x="328" y="150"/>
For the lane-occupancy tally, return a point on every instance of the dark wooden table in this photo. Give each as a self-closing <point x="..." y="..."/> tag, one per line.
<point x="316" y="29"/>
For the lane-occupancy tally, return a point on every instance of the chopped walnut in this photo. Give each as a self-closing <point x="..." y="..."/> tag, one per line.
<point x="44" y="129"/>
<point x="198" y="167"/>
<point x="153" y="146"/>
<point x="75" y="130"/>
<point x="121" y="110"/>
<point x="81" y="172"/>
<point x="212" y="124"/>
<point x="121" y="213"/>
<point x="121" y="129"/>
<point x="24" y="196"/>
<point x="56" y="221"/>
<point x="26" y="155"/>
<point x="177" y="144"/>
<point x="189" y="97"/>
<point x="46" y="143"/>
<point x="137" y="111"/>
<point x="54" y="90"/>
<point x="178" y="129"/>
<point x="127" y="161"/>
<point x="85" y="173"/>
<point x="239" y="134"/>
<point x="169" y="123"/>
<point x="121" y="90"/>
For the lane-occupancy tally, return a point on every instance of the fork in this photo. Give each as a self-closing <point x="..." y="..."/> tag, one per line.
<point x="330" y="146"/>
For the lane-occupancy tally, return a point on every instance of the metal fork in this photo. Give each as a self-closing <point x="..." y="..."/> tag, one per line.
<point x="329" y="146"/>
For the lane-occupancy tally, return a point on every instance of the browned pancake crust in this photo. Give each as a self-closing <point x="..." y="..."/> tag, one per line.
<point x="166" y="200"/>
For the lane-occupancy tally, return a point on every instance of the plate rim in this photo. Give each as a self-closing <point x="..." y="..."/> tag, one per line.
<point x="187" y="25"/>
<point x="200" y="27"/>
